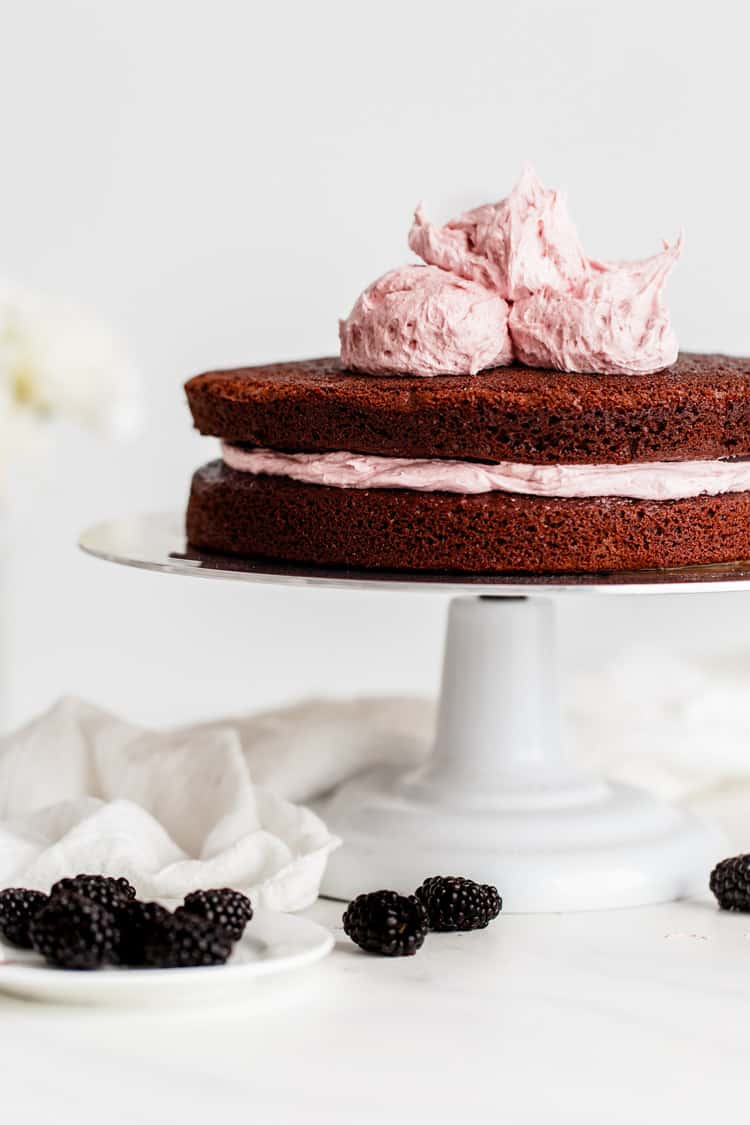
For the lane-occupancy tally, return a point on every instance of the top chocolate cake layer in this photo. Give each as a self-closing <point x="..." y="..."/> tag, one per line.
<point x="698" y="409"/>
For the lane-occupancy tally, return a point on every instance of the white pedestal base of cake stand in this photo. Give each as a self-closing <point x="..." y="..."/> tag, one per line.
<point x="497" y="801"/>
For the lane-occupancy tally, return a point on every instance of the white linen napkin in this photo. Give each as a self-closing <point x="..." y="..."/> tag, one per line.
<point x="678" y="726"/>
<point x="81" y="790"/>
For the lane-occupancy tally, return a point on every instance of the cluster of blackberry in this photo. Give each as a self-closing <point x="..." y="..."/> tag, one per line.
<point x="396" y="925"/>
<point x="94" y="920"/>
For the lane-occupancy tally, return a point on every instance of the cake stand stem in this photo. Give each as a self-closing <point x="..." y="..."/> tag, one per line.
<point x="497" y="800"/>
<point x="498" y="720"/>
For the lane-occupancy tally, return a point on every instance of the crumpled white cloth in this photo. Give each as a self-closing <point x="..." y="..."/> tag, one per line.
<point x="676" y="725"/>
<point x="222" y="803"/>
<point x="81" y="790"/>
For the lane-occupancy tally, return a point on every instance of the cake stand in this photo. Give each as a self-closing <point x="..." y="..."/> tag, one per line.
<point x="496" y="800"/>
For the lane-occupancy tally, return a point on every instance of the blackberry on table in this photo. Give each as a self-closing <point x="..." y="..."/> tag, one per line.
<point x="73" y="932"/>
<point x="226" y="908"/>
<point x="17" y="909"/>
<point x="730" y="883"/>
<point x="137" y="924"/>
<point x="184" y="940"/>
<point x="387" y="923"/>
<point x="455" y="903"/>
<point x="105" y="890"/>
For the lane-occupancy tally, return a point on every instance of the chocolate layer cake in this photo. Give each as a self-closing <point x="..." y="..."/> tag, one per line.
<point x="697" y="411"/>
<point x="510" y="404"/>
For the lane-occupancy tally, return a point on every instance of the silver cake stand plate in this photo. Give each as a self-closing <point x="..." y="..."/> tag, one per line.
<point x="496" y="800"/>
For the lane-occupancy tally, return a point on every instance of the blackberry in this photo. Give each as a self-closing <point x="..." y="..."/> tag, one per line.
<point x="453" y="903"/>
<point x="17" y="908"/>
<point x="184" y="940"/>
<point x="104" y="890"/>
<point x="137" y="923"/>
<point x="73" y="932"/>
<point x="387" y="923"/>
<point x="730" y="882"/>
<point x="226" y="908"/>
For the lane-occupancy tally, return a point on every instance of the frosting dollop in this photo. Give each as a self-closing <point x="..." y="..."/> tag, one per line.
<point x="567" y="311"/>
<point x="524" y="243"/>
<point x="422" y="320"/>
<point x="611" y="322"/>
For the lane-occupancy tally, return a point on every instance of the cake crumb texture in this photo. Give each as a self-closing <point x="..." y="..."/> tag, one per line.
<point x="698" y="409"/>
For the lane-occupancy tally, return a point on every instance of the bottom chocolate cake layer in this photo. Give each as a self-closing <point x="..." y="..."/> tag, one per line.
<point x="276" y="518"/>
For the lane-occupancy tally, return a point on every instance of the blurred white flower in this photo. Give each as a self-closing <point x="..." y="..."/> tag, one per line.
<point x="56" y="362"/>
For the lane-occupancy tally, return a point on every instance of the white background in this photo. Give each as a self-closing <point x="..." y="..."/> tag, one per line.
<point x="219" y="180"/>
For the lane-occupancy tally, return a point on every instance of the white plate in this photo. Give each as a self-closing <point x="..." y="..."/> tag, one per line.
<point x="273" y="943"/>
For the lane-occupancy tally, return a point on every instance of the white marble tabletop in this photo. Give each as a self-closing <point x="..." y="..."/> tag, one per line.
<point x="632" y="1016"/>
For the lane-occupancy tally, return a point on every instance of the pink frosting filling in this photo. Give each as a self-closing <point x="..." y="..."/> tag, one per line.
<point x="568" y="311"/>
<point x="424" y="321"/>
<point x="657" y="480"/>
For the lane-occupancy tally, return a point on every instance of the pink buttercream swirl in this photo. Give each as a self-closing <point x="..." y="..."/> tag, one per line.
<point x="656" y="480"/>
<point x="524" y="243"/>
<point x="610" y="322"/>
<point x="424" y="321"/>
<point x="568" y="311"/>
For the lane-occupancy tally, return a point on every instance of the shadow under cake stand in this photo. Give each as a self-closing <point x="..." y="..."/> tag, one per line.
<point x="496" y="799"/>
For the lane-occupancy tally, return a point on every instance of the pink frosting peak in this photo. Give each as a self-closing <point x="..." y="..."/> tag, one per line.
<point x="523" y="243"/>
<point x="611" y="322"/>
<point x="421" y="320"/>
